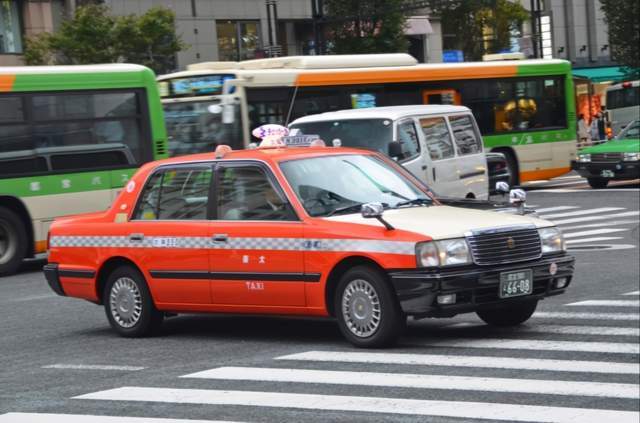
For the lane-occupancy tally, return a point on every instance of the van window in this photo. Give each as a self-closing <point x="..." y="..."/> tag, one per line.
<point x="436" y="135"/>
<point x="408" y="139"/>
<point x="464" y="133"/>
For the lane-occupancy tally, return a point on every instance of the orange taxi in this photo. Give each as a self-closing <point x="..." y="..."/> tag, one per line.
<point x="314" y="231"/>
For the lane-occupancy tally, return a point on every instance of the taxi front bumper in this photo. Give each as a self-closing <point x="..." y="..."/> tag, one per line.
<point x="619" y="170"/>
<point x="475" y="286"/>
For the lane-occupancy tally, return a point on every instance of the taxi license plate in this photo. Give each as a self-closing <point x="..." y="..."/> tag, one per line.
<point x="606" y="173"/>
<point x="515" y="284"/>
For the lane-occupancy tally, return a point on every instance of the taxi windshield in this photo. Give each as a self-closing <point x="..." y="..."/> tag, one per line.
<point x="370" y="134"/>
<point x="340" y="184"/>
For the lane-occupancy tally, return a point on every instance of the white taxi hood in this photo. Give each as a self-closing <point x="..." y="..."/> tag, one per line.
<point x="441" y="222"/>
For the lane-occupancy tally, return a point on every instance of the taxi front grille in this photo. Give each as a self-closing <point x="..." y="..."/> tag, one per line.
<point x="504" y="246"/>
<point x="606" y="157"/>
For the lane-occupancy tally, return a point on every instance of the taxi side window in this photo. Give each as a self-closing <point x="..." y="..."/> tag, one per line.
<point x="436" y="135"/>
<point x="245" y="193"/>
<point x="467" y="140"/>
<point x="408" y="138"/>
<point x="176" y="194"/>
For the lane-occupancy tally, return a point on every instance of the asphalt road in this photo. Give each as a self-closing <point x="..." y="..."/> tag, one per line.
<point x="575" y="360"/>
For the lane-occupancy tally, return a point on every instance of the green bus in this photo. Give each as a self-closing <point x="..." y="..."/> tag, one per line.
<point x="70" y="139"/>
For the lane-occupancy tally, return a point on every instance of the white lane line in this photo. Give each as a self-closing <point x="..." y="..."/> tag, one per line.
<point x="92" y="367"/>
<point x="593" y="232"/>
<point x="80" y="418"/>
<point x="586" y="316"/>
<point x="564" y="329"/>
<point x="467" y="361"/>
<point x="607" y="303"/>
<point x="581" y="212"/>
<point x="594" y="239"/>
<point x="423" y="381"/>
<point x="632" y="293"/>
<point x="562" y="191"/>
<point x="600" y="225"/>
<point x="460" y="409"/>
<point x="591" y="218"/>
<point x="558" y="208"/>
<point x="568" y="177"/>
<point x="540" y="345"/>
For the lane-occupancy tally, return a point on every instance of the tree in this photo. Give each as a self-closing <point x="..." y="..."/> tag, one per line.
<point x="94" y="36"/>
<point x="366" y="26"/>
<point x="478" y="27"/>
<point x="624" y="32"/>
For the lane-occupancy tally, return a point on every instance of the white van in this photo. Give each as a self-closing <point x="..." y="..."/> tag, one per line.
<point x="441" y="145"/>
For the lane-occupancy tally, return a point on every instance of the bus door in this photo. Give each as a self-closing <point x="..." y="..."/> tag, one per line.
<point x="441" y="96"/>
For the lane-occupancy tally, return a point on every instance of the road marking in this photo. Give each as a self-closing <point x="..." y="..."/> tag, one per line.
<point x="632" y="293"/>
<point x="561" y="191"/>
<point x="540" y="345"/>
<point x="423" y="381"/>
<point x="92" y="367"/>
<point x="586" y="316"/>
<point x="581" y="212"/>
<point x="594" y="239"/>
<point x="558" y="208"/>
<point x="568" y="177"/>
<point x="32" y="298"/>
<point x="467" y="361"/>
<point x="599" y="225"/>
<point x="563" y="329"/>
<point x="591" y="218"/>
<point x="460" y="409"/>
<point x="607" y="303"/>
<point x="593" y="232"/>
<point x="79" y="418"/>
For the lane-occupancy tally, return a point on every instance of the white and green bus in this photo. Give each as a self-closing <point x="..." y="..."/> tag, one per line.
<point x="70" y="138"/>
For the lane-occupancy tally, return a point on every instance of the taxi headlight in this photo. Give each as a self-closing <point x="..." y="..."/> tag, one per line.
<point x="631" y="157"/>
<point x="584" y="158"/>
<point x="551" y="240"/>
<point x="443" y="253"/>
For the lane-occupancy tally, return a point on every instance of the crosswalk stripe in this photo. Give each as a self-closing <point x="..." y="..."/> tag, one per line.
<point x="632" y="293"/>
<point x="593" y="232"/>
<point x="557" y="208"/>
<point x="467" y="361"/>
<point x="581" y="212"/>
<point x="460" y="409"/>
<point x="83" y="418"/>
<point x="540" y="345"/>
<point x="593" y="239"/>
<point x="564" y="329"/>
<point x="423" y="381"/>
<point x="599" y="225"/>
<point x="92" y="367"/>
<point x="591" y="218"/>
<point x="586" y="316"/>
<point x="607" y="303"/>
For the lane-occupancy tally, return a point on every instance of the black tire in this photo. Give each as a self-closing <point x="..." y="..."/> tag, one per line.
<point x="512" y="165"/>
<point x="510" y="315"/>
<point x="13" y="241"/>
<point x="126" y="286"/>
<point x="598" y="182"/>
<point x="390" y="321"/>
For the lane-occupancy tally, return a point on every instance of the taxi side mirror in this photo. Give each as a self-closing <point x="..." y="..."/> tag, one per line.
<point x="375" y="211"/>
<point x="394" y="150"/>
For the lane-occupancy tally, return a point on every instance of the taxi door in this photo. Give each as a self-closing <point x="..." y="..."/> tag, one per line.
<point x="256" y="256"/>
<point x="167" y="235"/>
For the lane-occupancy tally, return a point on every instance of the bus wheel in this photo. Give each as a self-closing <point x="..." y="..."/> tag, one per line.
<point x="598" y="182"/>
<point x="13" y="241"/>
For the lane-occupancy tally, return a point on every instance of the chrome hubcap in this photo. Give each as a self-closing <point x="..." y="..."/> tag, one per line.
<point x="6" y="246"/>
<point x="125" y="302"/>
<point x="361" y="308"/>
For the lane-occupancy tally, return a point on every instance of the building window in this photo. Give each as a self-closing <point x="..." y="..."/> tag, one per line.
<point x="10" y="30"/>
<point x="238" y="40"/>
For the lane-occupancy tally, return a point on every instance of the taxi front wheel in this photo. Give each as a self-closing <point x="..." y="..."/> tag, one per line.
<point x="511" y="315"/>
<point x="128" y="304"/>
<point x="366" y="309"/>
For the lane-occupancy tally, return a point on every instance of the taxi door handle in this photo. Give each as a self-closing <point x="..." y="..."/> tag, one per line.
<point x="219" y="238"/>
<point x="136" y="237"/>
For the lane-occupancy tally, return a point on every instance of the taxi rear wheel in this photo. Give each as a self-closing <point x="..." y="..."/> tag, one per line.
<point x="511" y="315"/>
<point x="366" y="309"/>
<point x="128" y="304"/>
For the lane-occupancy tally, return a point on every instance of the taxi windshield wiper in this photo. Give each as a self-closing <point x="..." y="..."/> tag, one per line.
<point x="352" y="208"/>
<point x="415" y="201"/>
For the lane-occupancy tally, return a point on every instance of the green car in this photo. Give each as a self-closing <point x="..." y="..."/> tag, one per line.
<point x="617" y="159"/>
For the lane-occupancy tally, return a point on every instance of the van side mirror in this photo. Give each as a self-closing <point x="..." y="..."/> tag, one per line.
<point x="395" y="150"/>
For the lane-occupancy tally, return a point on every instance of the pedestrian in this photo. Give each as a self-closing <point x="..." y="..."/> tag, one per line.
<point x="583" y="130"/>
<point x="602" y="127"/>
<point x="593" y="128"/>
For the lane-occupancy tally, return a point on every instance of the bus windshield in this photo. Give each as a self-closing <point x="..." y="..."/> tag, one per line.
<point x="197" y="127"/>
<point x="370" y="134"/>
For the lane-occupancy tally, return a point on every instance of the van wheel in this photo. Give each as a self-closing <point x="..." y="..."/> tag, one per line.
<point x="366" y="308"/>
<point x="128" y="304"/>
<point x="511" y="315"/>
<point x="598" y="182"/>
<point x="13" y="241"/>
